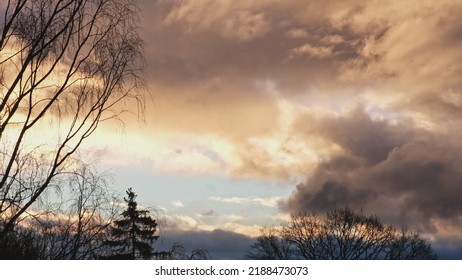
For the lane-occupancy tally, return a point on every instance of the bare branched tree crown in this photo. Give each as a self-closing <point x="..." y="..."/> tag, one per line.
<point x="340" y="235"/>
<point x="65" y="64"/>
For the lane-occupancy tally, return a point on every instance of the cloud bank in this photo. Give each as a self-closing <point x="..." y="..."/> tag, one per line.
<point x="360" y="99"/>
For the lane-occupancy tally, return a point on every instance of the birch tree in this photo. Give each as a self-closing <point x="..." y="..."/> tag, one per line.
<point x="65" y="67"/>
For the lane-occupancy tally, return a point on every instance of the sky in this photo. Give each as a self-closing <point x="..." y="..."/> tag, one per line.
<point x="259" y="109"/>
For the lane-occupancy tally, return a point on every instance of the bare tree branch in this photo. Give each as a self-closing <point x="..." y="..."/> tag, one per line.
<point x="65" y="65"/>
<point x="341" y="235"/>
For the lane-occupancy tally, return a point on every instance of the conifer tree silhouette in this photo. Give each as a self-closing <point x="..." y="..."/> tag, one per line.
<point x="132" y="236"/>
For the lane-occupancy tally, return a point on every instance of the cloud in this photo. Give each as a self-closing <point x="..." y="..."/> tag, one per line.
<point x="308" y="49"/>
<point x="272" y="202"/>
<point x="206" y="78"/>
<point x="210" y="220"/>
<point x="221" y="244"/>
<point x="177" y="204"/>
<point x="405" y="174"/>
<point x="366" y="109"/>
<point x="229" y="19"/>
<point x="183" y="221"/>
<point x="297" y="33"/>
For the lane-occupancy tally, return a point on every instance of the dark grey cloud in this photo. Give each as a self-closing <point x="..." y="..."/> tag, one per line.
<point x="449" y="253"/>
<point x="221" y="244"/>
<point x="407" y="175"/>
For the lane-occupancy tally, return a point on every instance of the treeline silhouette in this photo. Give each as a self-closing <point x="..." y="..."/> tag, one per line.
<point x="130" y="236"/>
<point x="341" y="234"/>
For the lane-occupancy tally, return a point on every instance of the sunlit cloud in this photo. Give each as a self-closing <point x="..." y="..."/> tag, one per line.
<point x="177" y="204"/>
<point x="231" y="20"/>
<point x="232" y="223"/>
<point x="310" y="50"/>
<point x="271" y="202"/>
<point x="297" y="33"/>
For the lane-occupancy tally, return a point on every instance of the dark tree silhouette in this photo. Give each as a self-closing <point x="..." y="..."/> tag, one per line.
<point x="179" y="252"/>
<point x="132" y="236"/>
<point x="342" y="234"/>
<point x="270" y="246"/>
<point x="65" y="67"/>
<point x="20" y="244"/>
<point x="71" y="224"/>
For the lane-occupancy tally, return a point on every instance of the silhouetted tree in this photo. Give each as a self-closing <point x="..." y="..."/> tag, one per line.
<point x="69" y="224"/>
<point x="132" y="236"/>
<point x="270" y="246"/>
<point x="179" y="252"/>
<point x="76" y="226"/>
<point x="65" y="66"/>
<point x="342" y="234"/>
<point x="21" y="244"/>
